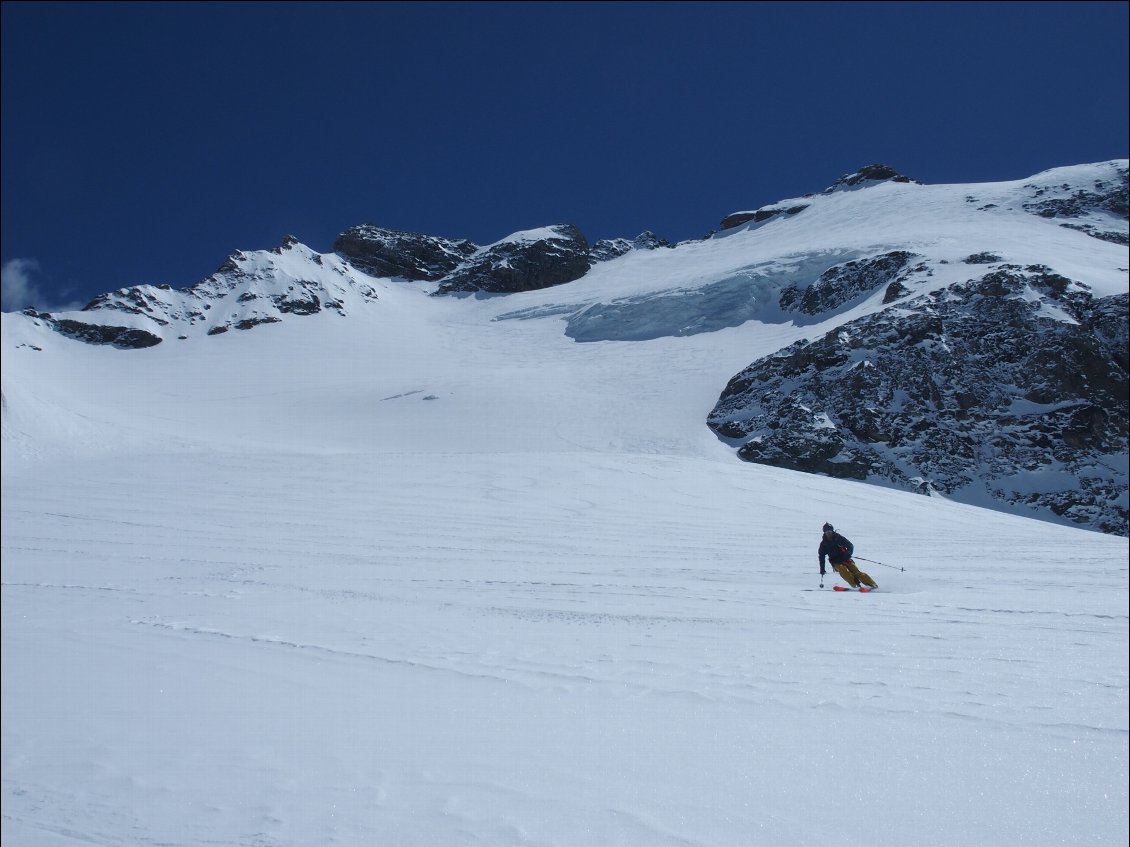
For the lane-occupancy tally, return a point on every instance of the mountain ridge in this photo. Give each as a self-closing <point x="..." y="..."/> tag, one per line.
<point x="874" y="251"/>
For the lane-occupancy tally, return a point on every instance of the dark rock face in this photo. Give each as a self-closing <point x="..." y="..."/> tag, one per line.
<point x="390" y="253"/>
<point x="843" y="283"/>
<point x="609" y="248"/>
<point x="1011" y="387"/>
<point x="124" y="338"/>
<point x="524" y="262"/>
<point x="982" y="259"/>
<point x="250" y="323"/>
<point x="762" y="215"/>
<point x="871" y="173"/>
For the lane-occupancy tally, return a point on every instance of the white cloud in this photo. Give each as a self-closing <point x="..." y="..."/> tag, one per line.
<point x="19" y="290"/>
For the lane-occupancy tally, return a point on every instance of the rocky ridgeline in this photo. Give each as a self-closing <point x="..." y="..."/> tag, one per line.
<point x="254" y="288"/>
<point x="1010" y="388"/>
<point x="249" y="289"/>
<point x="390" y="253"/>
<point x="525" y="261"/>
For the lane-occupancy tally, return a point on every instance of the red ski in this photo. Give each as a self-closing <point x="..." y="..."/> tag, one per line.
<point x="863" y="589"/>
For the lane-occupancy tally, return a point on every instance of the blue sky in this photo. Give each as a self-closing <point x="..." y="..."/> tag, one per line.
<point x="144" y="142"/>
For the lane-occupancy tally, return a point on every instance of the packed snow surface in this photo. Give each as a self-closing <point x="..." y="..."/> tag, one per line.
<point x="420" y="575"/>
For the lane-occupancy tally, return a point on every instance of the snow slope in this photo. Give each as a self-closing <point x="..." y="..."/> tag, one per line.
<point x="431" y="574"/>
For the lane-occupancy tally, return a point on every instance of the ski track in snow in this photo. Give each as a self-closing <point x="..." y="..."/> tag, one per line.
<point x="431" y="664"/>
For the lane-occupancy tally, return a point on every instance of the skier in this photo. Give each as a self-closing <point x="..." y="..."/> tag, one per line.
<point x="839" y="552"/>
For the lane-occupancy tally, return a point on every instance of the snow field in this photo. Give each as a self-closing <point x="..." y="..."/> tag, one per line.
<point x="553" y="649"/>
<point x="431" y="574"/>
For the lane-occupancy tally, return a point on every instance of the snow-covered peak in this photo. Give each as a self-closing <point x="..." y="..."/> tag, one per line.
<point x="867" y="177"/>
<point x="249" y="289"/>
<point x="557" y="232"/>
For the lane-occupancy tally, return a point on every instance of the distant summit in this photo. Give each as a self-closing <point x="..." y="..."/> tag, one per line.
<point x="391" y="253"/>
<point x="863" y="178"/>
<point x="524" y="261"/>
<point x="870" y="175"/>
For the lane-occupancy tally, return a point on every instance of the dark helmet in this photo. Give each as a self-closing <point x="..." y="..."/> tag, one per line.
<point x="829" y="528"/>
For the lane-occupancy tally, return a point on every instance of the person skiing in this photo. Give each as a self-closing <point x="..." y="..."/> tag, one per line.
<point x="838" y="551"/>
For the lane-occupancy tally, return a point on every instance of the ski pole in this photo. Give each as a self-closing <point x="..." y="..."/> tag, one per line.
<point x="872" y="561"/>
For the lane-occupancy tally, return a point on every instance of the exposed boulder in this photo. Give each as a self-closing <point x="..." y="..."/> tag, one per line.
<point x="525" y="261"/>
<point x="391" y="253"/>
<point x="1011" y="387"/>
<point x="983" y="258"/>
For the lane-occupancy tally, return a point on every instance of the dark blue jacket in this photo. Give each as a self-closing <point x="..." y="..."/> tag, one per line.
<point x="837" y="549"/>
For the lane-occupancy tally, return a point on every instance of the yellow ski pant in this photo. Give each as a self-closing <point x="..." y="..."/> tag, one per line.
<point x="853" y="575"/>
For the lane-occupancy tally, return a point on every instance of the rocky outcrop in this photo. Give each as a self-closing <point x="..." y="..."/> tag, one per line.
<point x="122" y="337"/>
<point x="760" y="216"/>
<point x="870" y="175"/>
<point x="841" y="284"/>
<point x="390" y="253"/>
<point x="607" y="249"/>
<point x="1091" y="210"/>
<point x="1011" y="387"/>
<point x="1107" y="195"/>
<point x="525" y="261"/>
